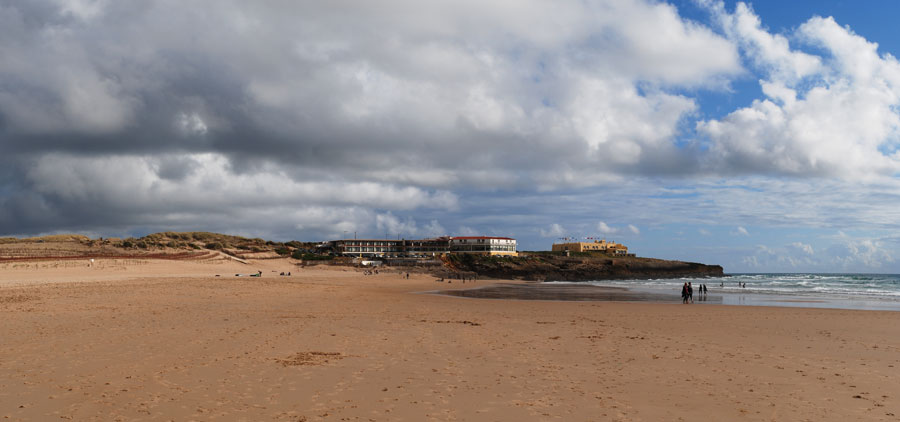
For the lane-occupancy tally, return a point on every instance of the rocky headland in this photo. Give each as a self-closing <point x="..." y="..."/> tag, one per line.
<point x="546" y="266"/>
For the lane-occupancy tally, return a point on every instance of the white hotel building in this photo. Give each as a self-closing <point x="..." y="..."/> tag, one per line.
<point x="423" y="248"/>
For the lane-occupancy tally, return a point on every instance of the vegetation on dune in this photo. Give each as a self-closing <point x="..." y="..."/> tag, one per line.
<point x="308" y="256"/>
<point x="163" y="242"/>
<point x="48" y="238"/>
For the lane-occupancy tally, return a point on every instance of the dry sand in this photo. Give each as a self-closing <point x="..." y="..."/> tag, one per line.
<point x="167" y="340"/>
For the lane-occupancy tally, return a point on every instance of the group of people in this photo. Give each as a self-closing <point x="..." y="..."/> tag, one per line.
<point x="459" y="276"/>
<point x="687" y="292"/>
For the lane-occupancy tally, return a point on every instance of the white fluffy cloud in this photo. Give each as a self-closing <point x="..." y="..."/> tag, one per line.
<point x="840" y="255"/>
<point x="411" y="85"/>
<point x="555" y="230"/>
<point x="407" y="227"/>
<point x="605" y="229"/>
<point x="832" y="114"/>
<point x="851" y="255"/>
<point x="801" y="247"/>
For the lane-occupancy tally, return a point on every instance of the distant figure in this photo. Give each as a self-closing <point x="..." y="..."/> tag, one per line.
<point x="721" y="284"/>
<point x="690" y="292"/>
<point x="684" y="293"/>
<point x="705" y="290"/>
<point x="407" y="276"/>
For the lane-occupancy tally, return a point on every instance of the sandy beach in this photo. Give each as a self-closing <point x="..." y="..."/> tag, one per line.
<point x="159" y="340"/>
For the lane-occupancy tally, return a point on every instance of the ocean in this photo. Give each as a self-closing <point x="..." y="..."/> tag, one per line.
<point x="843" y="291"/>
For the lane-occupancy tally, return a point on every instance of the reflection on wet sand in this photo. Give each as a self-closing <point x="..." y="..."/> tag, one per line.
<point x="571" y="292"/>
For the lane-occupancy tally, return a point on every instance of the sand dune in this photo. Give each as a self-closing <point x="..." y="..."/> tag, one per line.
<point x="168" y="340"/>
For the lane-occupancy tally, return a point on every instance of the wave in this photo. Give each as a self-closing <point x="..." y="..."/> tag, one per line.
<point x="874" y="286"/>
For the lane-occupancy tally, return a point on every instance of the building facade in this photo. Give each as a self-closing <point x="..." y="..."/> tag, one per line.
<point x="483" y="245"/>
<point x="595" y="246"/>
<point x="423" y="248"/>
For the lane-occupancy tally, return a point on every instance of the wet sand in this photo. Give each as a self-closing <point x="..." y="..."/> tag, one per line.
<point x="570" y="292"/>
<point x="584" y="292"/>
<point x="159" y="341"/>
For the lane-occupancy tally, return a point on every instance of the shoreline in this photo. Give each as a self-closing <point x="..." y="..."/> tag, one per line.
<point x="584" y="292"/>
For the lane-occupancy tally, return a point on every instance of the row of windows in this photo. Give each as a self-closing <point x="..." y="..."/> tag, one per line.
<point x="414" y="243"/>
<point x="394" y="244"/>
<point x="393" y="249"/>
<point x="484" y="248"/>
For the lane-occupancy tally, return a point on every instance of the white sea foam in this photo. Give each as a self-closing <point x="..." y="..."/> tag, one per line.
<point x="836" y="286"/>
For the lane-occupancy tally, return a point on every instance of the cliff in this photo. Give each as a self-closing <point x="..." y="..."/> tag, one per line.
<point x="553" y="267"/>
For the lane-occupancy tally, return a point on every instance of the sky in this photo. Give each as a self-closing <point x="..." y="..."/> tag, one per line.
<point x="761" y="136"/>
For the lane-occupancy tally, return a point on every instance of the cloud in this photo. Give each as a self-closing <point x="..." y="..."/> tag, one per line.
<point x="828" y="115"/>
<point x="196" y="189"/>
<point x="741" y="231"/>
<point x="769" y="51"/>
<point x="367" y="106"/>
<point x="801" y="248"/>
<point x="466" y="231"/>
<point x="608" y="230"/>
<point x="391" y="225"/>
<point x="555" y="230"/>
<point x="394" y="225"/>
<point x="864" y="253"/>
<point x="311" y="119"/>
<point x="589" y="76"/>
<point x="605" y="229"/>
<point x="836" y="255"/>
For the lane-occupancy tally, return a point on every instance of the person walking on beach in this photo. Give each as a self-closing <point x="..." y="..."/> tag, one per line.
<point x="690" y="292"/>
<point x="684" y="293"/>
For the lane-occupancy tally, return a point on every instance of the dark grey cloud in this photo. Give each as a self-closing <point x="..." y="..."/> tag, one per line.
<point x="120" y="115"/>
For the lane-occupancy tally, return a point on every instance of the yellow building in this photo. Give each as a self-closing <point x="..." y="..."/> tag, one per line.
<point x="595" y="246"/>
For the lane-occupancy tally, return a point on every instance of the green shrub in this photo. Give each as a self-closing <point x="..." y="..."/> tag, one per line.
<point x="306" y="256"/>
